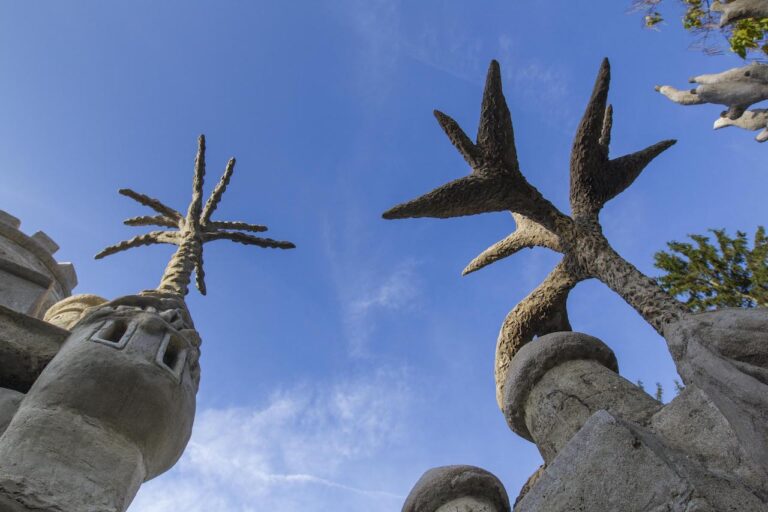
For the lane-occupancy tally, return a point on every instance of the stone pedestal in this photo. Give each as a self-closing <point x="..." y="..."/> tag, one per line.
<point x="457" y="489"/>
<point x="556" y="383"/>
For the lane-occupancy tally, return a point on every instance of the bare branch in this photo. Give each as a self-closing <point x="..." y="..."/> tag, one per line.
<point x="218" y="191"/>
<point x="196" y="204"/>
<point x="152" y="203"/>
<point x="248" y="240"/>
<point x="158" y="220"/>
<point x="495" y="135"/>
<point x="528" y="234"/>
<point x="543" y="311"/>
<point x="689" y="97"/>
<point x="218" y="224"/>
<point x="460" y="140"/>
<point x="154" y="237"/>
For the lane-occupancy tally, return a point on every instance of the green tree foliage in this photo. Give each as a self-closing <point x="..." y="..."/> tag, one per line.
<point x="745" y="36"/>
<point x="726" y="273"/>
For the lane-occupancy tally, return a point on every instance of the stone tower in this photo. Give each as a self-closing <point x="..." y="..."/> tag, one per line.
<point x="607" y="446"/>
<point x="101" y="397"/>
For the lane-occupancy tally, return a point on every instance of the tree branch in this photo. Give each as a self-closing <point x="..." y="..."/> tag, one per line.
<point x="248" y="240"/>
<point x="196" y="204"/>
<point x="219" y="224"/>
<point x="158" y="220"/>
<point x="736" y="10"/>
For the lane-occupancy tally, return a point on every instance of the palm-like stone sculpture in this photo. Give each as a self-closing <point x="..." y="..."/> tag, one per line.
<point x="192" y="230"/>
<point x="497" y="184"/>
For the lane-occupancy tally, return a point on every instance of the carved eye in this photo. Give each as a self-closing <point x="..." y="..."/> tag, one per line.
<point x="172" y="355"/>
<point x="115" y="333"/>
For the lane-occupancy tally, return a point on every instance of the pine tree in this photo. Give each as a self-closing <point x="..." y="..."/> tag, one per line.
<point x="726" y="273"/>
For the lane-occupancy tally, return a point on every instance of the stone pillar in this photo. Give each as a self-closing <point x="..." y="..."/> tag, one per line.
<point x="31" y="280"/>
<point x="113" y="409"/>
<point x="457" y="489"/>
<point x="558" y="381"/>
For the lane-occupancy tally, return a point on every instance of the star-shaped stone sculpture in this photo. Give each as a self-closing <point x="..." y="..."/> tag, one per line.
<point x="191" y="230"/>
<point x="497" y="184"/>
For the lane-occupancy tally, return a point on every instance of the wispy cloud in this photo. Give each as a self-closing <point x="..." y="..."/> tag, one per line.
<point x="397" y="291"/>
<point x="293" y="454"/>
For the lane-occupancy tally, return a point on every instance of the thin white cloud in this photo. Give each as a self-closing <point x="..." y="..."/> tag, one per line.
<point x="294" y="454"/>
<point x="362" y="305"/>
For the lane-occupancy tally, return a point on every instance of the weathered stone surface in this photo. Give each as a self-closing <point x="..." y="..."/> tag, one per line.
<point x="725" y="354"/>
<point x="9" y="403"/>
<point x="466" y="488"/>
<point x="27" y="345"/>
<point x="31" y="280"/>
<point x="67" y="312"/>
<point x="113" y="409"/>
<point x="612" y="465"/>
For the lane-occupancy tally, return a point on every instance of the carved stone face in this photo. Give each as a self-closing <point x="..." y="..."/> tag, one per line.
<point x="132" y="365"/>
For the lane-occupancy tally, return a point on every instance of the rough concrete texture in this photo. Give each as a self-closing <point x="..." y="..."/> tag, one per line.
<point x="9" y="403"/>
<point x="27" y="345"/>
<point x="559" y="381"/>
<point x="735" y="10"/>
<point x="67" y="312"/>
<point x="613" y="465"/>
<point x="31" y="280"/>
<point x="113" y="409"/>
<point x="462" y="488"/>
<point x="752" y="120"/>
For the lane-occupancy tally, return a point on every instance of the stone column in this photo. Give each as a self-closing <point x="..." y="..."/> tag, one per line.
<point x="558" y="381"/>
<point x="113" y="409"/>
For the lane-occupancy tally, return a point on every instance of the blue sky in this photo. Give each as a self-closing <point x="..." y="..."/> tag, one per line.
<point x="334" y="375"/>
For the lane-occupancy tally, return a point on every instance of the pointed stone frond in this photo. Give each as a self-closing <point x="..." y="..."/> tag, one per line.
<point x="588" y="155"/>
<point x="460" y="140"/>
<point x="248" y="240"/>
<point x="218" y="191"/>
<point x="623" y="171"/>
<point x="154" y="237"/>
<point x="605" y="134"/>
<point x="542" y="312"/>
<point x="196" y="204"/>
<point x="528" y="234"/>
<point x="495" y="135"/>
<point x="157" y="220"/>
<point x="152" y="203"/>
<point x="231" y="225"/>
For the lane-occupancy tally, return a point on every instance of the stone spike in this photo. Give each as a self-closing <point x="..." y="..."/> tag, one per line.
<point x="623" y="171"/>
<point x="218" y="191"/>
<point x="154" y="237"/>
<point x="460" y="140"/>
<point x="495" y="134"/>
<point x="248" y="240"/>
<point x="231" y="225"/>
<point x="196" y="204"/>
<point x="153" y="203"/>
<point x="157" y="220"/>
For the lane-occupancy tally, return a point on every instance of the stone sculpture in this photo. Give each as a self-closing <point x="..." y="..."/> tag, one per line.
<point x="606" y="444"/>
<point x="736" y="88"/>
<point x="110" y="400"/>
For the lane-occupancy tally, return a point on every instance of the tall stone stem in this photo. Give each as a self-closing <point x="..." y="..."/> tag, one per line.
<point x="178" y="273"/>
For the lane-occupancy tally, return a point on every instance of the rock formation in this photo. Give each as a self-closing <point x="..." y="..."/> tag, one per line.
<point x="606" y="444"/>
<point x="100" y="397"/>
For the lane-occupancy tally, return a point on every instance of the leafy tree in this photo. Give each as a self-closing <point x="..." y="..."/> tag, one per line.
<point x="726" y="273"/>
<point x="702" y="17"/>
